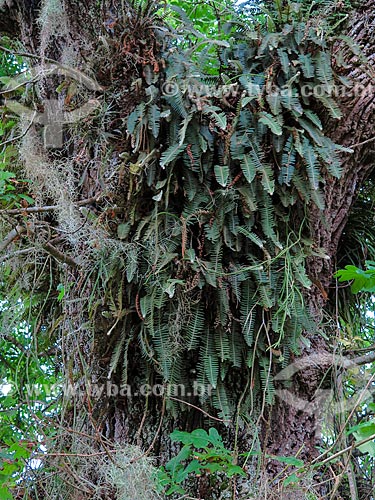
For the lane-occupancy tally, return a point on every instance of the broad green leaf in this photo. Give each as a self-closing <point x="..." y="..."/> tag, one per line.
<point x="292" y="479"/>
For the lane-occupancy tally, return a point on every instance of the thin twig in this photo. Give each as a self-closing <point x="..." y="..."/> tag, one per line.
<point x="16" y="254"/>
<point x="317" y="459"/>
<point x="199" y="409"/>
<point x="8" y="141"/>
<point x="47" y="208"/>
<point x="345" y="450"/>
<point x="362" y="143"/>
<point x="65" y="259"/>
<point x="147" y="452"/>
<point x="27" y="54"/>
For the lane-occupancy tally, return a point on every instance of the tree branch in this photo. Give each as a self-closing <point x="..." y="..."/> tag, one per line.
<point x="47" y="208"/>
<point x="363" y="360"/>
<point x="11" y="236"/>
<point x="66" y="259"/>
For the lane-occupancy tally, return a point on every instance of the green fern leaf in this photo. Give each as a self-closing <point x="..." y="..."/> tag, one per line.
<point x="210" y="361"/>
<point x="274" y="101"/>
<point x="290" y="101"/>
<point x="222" y="345"/>
<point x="312" y="131"/>
<point x="221" y="402"/>
<point x="323" y="68"/>
<point x="235" y="348"/>
<point x="216" y="114"/>
<point x="313" y="118"/>
<point x="135" y="117"/>
<point x="330" y="105"/>
<point x="271" y="122"/>
<point x="116" y="354"/>
<point x="307" y="65"/>
<point x="288" y="162"/>
<point x="312" y="166"/>
<point x="195" y="327"/>
<point x="251" y="236"/>
<point x="162" y="345"/>
<point x="248" y="167"/>
<point x="248" y="312"/>
<point x="171" y="154"/>
<point x="284" y="60"/>
<point x="177" y="104"/>
<point x="267" y="180"/>
<point x="222" y="174"/>
<point x="182" y="131"/>
<point x="154" y="120"/>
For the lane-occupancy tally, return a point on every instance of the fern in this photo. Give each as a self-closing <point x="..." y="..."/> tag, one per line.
<point x="209" y="364"/>
<point x="171" y="154"/>
<point x="176" y="103"/>
<point x="274" y="101"/>
<point x="288" y="162"/>
<point x="314" y="132"/>
<point x="182" y="131"/>
<point x="221" y="402"/>
<point x="116" y="354"/>
<point x="135" y="117"/>
<point x="312" y="165"/>
<point x="267" y="380"/>
<point x="161" y="341"/>
<point x="195" y="327"/>
<point x="215" y="113"/>
<point x="313" y="118"/>
<point x="267" y="180"/>
<point x="307" y="65"/>
<point x="251" y="236"/>
<point x="330" y="105"/>
<point x="267" y="220"/>
<point x="235" y="348"/>
<point x="248" y="167"/>
<point x="154" y="119"/>
<point x="290" y="101"/>
<point x="222" y="174"/>
<point x="248" y="312"/>
<point x="222" y="345"/>
<point x="270" y="122"/>
<point x="284" y="61"/>
<point x="323" y="68"/>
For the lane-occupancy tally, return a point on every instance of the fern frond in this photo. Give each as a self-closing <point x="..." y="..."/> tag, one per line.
<point x="195" y="327"/>
<point x="217" y="115"/>
<point x="171" y="154"/>
<point x="248" y="312"/>
<point x="324" y="68"/>
<point x="154" y="119"/>
<point x="311" y="162"/>
<point x="307" y="65"/>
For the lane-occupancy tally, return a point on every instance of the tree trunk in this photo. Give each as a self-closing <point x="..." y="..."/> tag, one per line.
<point x="89" y="37"/>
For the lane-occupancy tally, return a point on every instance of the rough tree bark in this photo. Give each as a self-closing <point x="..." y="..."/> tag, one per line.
<point x="289" y="429"/>
<point x="298" y="430"/>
